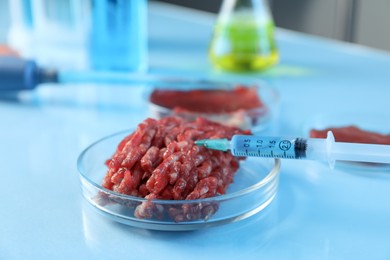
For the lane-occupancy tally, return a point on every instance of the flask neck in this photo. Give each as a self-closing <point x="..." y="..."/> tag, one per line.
<point x="248" y="3"/>
<point x="257" y="9"/>
<point x="236" y="5"/>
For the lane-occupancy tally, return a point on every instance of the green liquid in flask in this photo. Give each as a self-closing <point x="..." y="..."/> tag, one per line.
<point x="242" y="44"/>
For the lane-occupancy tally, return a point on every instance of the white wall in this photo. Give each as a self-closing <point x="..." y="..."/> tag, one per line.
<point x="365" y="22"/>
<point x="373" y="23"/>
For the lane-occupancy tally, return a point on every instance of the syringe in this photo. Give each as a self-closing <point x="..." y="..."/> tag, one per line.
<point x="300" y="148"/>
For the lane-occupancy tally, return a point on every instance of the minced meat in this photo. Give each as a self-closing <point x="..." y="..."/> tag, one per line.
<point x="159" y="160"/>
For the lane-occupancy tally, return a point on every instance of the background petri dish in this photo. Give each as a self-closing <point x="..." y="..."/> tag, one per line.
<point x="363" y="120"/>
<point x="254" y="187"/>
<point x="255" y="119"/>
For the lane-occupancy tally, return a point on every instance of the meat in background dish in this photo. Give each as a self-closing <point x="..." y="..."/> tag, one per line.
<point x="208" y="101"/>
<point x="239" y="105"/>
<point x="352" y="134"/>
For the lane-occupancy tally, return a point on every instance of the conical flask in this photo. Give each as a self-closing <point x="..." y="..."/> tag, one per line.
<point x="243" y="37"/>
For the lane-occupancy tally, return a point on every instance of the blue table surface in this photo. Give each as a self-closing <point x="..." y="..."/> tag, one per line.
<point x="318" y="213"/>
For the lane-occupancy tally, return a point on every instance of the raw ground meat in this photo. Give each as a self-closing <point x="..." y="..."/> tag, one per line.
<point x="352" y="134"/>
<point x="159" y="160"/>
<point x="208" y="101"/>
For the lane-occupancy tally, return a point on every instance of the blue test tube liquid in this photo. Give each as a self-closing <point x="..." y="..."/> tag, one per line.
<point x="118" y="35"/>
<point x="27" y="13"/>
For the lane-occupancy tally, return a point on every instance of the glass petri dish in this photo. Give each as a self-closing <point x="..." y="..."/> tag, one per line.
<point x="254" y="187"/>
<point x="363" y="120"/>
<point x="255" y="119"/>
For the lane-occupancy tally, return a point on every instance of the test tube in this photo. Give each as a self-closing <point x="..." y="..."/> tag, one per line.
<point x="118" y="35"/>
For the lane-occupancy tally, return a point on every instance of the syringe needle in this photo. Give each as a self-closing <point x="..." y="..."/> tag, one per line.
<point x="214" y="144"/>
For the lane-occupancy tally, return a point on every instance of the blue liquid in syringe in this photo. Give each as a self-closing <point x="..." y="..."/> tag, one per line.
<point x="272" y="147"/>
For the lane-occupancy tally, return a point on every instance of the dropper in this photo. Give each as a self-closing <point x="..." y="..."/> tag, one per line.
<point x="20" y="74"/>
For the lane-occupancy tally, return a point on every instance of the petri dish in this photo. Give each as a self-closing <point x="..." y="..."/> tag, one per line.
<point x="256" y="119"/>
<point x="255" y="186"/>
<point x="363" y="120"/>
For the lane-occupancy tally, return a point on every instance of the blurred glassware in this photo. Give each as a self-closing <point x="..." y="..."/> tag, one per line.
<point x="118" y="39"/>
<point x="4" y="21"/>
<point x="21" y="26"/>
<point x="60" y="29"/>
<point x="98" y="34"/>
<point x="243" y="37"/>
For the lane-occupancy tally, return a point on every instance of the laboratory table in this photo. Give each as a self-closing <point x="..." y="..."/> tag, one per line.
<point x="318" y="213"/>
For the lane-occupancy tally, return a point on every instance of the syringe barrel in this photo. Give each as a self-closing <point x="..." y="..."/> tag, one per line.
<point x="374" y="153"/>
<point x="316" y="149"/>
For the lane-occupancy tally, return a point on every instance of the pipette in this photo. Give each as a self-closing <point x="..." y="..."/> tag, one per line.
<point x="19" y="74"/>
<point x="322" y="149"/>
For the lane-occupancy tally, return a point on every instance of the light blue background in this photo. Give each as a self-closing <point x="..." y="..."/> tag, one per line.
<point x="318" y="213"/>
